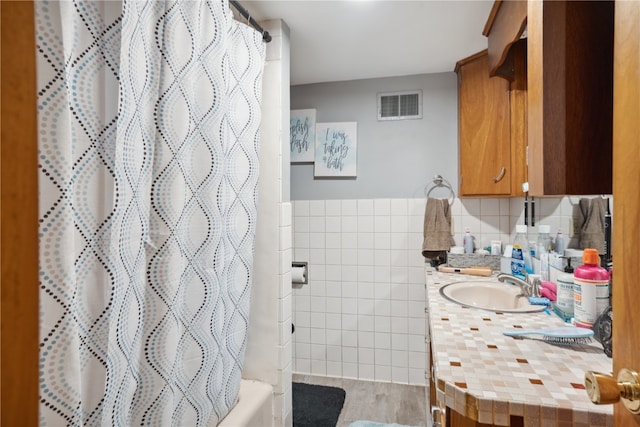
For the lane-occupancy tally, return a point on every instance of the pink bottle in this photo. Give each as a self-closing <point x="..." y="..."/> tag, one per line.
<point x="590" y="289"/>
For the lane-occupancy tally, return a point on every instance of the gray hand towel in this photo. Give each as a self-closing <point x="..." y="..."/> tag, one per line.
<point x="590" y="221"/>
<point x="437" y="228"/>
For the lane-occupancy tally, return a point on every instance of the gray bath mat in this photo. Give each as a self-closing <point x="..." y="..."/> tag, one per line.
<point x="316" y="405"/>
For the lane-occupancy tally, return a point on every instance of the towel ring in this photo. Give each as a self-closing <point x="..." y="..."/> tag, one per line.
<point x="439" y="181"/>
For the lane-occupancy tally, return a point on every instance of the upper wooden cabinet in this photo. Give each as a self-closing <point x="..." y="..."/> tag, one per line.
<point x="491" y="130"/>
<point x="570" y="96"/>
<point x="569" y="92"/>
<point x="505" y="26"/>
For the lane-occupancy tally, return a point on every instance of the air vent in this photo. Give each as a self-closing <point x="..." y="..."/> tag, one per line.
<point x="400" y="105"/>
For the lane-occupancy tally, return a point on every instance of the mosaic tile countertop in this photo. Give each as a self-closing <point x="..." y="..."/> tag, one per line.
<point x="488" y="377"/>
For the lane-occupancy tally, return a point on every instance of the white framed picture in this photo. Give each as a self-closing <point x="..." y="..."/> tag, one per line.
<point x="336" y="149"/>
<point x="302" y="126"/>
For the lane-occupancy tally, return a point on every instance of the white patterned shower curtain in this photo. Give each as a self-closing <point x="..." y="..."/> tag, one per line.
<point x="148" y="137"/>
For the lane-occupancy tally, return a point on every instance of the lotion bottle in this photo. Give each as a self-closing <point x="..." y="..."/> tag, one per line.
<point x="590" y="289"/>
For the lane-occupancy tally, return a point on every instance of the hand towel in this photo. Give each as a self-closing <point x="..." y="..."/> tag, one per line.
<point x="437" y="229"/>
<point x="550" y="285"/>
<point x="548" y="293"/>
<point x="590" y="222"/>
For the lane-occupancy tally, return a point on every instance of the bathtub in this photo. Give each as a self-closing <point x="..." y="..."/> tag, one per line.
<point x="254" y="407"/>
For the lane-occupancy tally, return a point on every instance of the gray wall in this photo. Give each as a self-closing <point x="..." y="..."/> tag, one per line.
<point x="396" y="159"/>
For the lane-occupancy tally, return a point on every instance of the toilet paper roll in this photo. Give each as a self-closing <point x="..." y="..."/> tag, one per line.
<point x="298" y="275"/>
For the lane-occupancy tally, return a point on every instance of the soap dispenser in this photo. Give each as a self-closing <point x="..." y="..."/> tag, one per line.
<point x="564" y="304"/>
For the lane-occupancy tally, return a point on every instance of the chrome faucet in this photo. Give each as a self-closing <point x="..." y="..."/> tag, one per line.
<point x="526" y="288"/>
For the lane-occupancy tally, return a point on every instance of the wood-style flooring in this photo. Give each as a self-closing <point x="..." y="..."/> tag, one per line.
<point x="375" y="401"/>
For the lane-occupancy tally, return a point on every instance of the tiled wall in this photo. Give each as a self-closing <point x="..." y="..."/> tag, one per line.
<point x="268" y="356"/>
<point x="495" y="219"/>
<point x="557" y="212"/>
<point x="362" y="313"/>
<point x="283" y="390"/>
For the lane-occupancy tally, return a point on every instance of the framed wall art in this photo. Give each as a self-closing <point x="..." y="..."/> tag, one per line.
<point x="336" y="145"/>
<point x="302" y="135"/>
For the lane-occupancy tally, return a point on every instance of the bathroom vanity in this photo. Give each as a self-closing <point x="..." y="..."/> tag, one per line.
<point x="484" y="378"/>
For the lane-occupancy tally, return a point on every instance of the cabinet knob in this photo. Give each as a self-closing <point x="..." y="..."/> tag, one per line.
<point x="500" y="175"/>
<point x="603" y="389"/>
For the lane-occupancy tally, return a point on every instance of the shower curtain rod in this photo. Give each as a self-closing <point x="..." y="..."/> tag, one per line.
<point x="266" y="37"/>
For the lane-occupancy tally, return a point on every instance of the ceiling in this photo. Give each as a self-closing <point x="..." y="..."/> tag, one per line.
<point x="360" y="39"/>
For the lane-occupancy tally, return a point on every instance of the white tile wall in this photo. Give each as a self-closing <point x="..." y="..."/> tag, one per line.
<point x="362" y="313"/>
<point x="269" y="351"/>
<point x="557" y="212"/>
<point x="352" y="319"/>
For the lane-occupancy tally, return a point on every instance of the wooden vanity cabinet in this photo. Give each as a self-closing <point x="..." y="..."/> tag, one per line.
<point x="491" y="130"/>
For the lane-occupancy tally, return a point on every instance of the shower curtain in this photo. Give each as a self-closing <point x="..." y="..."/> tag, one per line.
<point x="148" y="141"/>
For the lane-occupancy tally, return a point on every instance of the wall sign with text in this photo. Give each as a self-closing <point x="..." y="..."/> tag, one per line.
<point x="302" y="126"/>
<point x="336" y="149"/>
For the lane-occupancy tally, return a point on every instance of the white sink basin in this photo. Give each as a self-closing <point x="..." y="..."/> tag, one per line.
<point x="493" y="296"/>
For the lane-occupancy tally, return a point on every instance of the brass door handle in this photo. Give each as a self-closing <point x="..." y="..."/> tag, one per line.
<point x="604" y="389"/>
<point x="500" y="175"/>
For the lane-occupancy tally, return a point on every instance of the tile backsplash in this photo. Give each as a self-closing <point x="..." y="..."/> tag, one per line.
<point x="362" y="314"/>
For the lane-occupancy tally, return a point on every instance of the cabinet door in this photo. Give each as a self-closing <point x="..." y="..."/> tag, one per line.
<point x="484" y="130"/>
<point x="570" y="96"/>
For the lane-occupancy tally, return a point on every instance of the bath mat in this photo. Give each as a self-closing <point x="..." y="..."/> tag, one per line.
<point x="364" y="423"/>
<point x="316" y="405"/>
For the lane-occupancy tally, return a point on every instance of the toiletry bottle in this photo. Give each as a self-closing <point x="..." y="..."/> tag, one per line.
<point x="467" y="242"/>
<point x="496" y="247"/>
<point x="590" y="289"/>
<point x="521" y="264"/>
<point x="565" y="293"/>
<point x="517" y="262"/>
<point x="543" y="246"/>
<point x="559" y="245"/>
